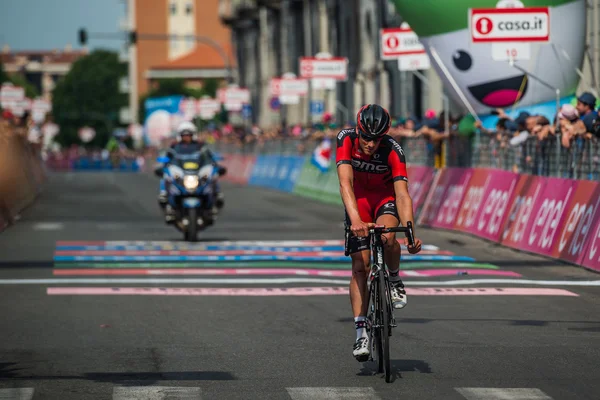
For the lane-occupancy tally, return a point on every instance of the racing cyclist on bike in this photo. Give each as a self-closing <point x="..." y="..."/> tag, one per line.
<point x="374" y="188"/>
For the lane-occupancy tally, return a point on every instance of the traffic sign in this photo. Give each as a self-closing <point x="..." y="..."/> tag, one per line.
<point x="247" y="111"/>
<point x="289" y="87"/>
<point x="335" y="67"/>
<point x="274" y="103"/>
<point x="510" y="24"/>
<point x="396" y="42"/>
<point x="317" y="107"/>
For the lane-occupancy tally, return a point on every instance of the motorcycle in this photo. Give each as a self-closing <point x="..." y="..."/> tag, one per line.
<point x="189" y="180"/>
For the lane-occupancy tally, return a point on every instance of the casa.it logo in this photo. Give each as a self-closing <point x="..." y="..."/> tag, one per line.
<point x="364" y="166"/>
<point x="484" y="25"/>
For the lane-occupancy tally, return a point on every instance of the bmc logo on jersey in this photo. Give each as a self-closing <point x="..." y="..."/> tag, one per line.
<point x="364" y="166"/>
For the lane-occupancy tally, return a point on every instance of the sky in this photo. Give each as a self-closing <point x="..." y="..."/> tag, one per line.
<point x="52" y="24"/>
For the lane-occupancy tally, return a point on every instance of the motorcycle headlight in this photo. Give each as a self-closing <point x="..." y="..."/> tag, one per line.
<point x="190" y="182"/>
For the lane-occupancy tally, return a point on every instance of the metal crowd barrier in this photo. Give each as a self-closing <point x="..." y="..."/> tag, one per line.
<point x="546" y="157"/>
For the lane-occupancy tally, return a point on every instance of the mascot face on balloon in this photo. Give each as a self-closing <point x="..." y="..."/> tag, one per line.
<point x="485" y="82"/>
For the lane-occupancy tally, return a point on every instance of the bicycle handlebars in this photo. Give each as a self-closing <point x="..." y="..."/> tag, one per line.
<point x="408" y="231"/>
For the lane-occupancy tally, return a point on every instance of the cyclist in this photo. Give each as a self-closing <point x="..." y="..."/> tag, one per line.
<point x="374" y="188"/>
<point x="187" y="143"/>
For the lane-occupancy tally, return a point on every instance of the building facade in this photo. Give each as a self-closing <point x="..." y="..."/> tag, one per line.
<point x="269" y="37"/>
<point x="201" y="50"/>
<point x="42" y="69"/>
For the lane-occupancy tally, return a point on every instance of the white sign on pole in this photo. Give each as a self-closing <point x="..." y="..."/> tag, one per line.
<point x="289" y="87"/>
<point x="208" y="108"/>
<point x="9" y="94"/>
<point x="323" y="83"/>
<point x="396" y="42"/>
<point x="510" y="24"/>
<point x="414" y="62"/>
<point x="188" y="108"/>
<point x="86" y="134"/>
<point x="293" y="99"/>
<point x="508" y="51"/>
<point x="334" y="68"/>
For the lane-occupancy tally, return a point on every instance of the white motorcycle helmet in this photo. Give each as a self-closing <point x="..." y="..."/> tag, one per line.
<point x="187" y="126"/>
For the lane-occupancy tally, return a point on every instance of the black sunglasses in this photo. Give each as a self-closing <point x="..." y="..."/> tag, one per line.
<point x="367" y="138"/>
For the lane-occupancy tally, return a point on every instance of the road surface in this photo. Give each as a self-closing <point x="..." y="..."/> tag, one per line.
<point x="100" y="300"/>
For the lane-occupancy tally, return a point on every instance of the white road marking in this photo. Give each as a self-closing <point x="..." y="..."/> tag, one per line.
<point x="467" y="282"/>
<point x="332" y="393"/>
<point x="503" y="394"/>
<point x="48" y="226"/>
<point x="16" y="394"/>
<point x="156" y="393"/>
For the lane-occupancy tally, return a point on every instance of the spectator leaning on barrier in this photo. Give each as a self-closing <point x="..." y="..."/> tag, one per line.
<point x="585" y="106"/>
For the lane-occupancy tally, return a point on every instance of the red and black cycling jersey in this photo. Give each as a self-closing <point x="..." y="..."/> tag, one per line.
<point x="379" y="171"/>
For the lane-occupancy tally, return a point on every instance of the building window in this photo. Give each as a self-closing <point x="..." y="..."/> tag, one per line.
<point x="174" y="42"/>
<point x="173" y="8"/>
<point x="189" y="8"/>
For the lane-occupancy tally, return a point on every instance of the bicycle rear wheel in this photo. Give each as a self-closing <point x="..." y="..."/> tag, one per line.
<point x="384" y="330"/>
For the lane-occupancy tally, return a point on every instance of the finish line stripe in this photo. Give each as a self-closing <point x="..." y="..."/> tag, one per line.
<point x="307" y="291"/>
<point x="246" y="258"/>
<point x="407" y="265"/>
<point x="270" y="271"/>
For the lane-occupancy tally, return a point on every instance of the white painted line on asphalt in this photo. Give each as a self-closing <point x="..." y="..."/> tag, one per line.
<point x="466" y="282"/>
<point x="48" y="226"/>
<point x="503" y="394"/>
<point x="16" y="394"/>
<point x="332" y="393"/>
<point x="156" y="393"/>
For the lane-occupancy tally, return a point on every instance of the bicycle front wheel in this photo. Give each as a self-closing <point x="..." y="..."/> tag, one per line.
<point x="384" y="331"/>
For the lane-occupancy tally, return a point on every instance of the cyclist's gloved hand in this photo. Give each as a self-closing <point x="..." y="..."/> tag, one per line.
<point x="413" y="249"/>
<point x="361" y="229"/>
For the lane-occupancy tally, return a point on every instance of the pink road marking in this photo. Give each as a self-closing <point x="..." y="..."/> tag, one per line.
<point x="306" y="291"/>
<point x="266" y="271"/>
<point x="215" y="253"/>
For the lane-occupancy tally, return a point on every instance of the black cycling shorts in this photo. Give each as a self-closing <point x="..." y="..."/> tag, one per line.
<point x="354" y="244"/>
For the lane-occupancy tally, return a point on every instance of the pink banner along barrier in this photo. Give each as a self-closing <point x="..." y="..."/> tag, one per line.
<point x="443" y="203"/>
<point x="419" y="183"/>
<point x="486" y="202"/>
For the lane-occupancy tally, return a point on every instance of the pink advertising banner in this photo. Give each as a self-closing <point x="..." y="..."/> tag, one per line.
<point x="519" y="212"/>
<point x="540" y="224"/>
<point x="446" y="193"/>
<point x="419" y="183"/>
<point x="576" y="230"/>
<point x="590" y="256"/>
<point x="486" y="202"/>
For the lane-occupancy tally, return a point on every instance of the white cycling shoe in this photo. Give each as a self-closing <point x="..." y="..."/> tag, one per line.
<point x="361" y="350"/>
<point x="398" y="294"/>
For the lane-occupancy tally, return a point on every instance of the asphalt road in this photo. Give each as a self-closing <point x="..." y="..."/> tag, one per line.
<point x="241" y="346"/>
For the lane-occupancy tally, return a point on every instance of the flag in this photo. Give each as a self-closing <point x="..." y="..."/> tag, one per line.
<point x="321" y="157"/>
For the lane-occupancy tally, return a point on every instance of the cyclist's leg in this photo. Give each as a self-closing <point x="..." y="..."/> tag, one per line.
<point x="358" y="248"/>
<point x="386" y="214"/>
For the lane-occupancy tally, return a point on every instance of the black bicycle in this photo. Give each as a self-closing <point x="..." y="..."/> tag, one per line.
<point x="380" y="317"/>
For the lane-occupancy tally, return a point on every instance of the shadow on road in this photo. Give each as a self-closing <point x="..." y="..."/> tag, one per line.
<point x="7" y="371"/>
<point x="398" y="366"/>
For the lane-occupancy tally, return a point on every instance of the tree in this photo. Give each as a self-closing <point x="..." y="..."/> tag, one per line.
<point x="18" y="80"/>
<point x="89" y="95"/>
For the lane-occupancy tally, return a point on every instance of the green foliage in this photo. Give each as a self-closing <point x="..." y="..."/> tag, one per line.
<point x="19" y="80"/>
<point x="89" y="95"/>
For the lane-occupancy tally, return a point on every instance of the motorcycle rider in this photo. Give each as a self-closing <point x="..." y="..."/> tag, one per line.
<point x="187" y="143"/>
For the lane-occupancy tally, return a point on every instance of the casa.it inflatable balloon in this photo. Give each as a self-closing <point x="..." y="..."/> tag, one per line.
<point x="487" y="83"/>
